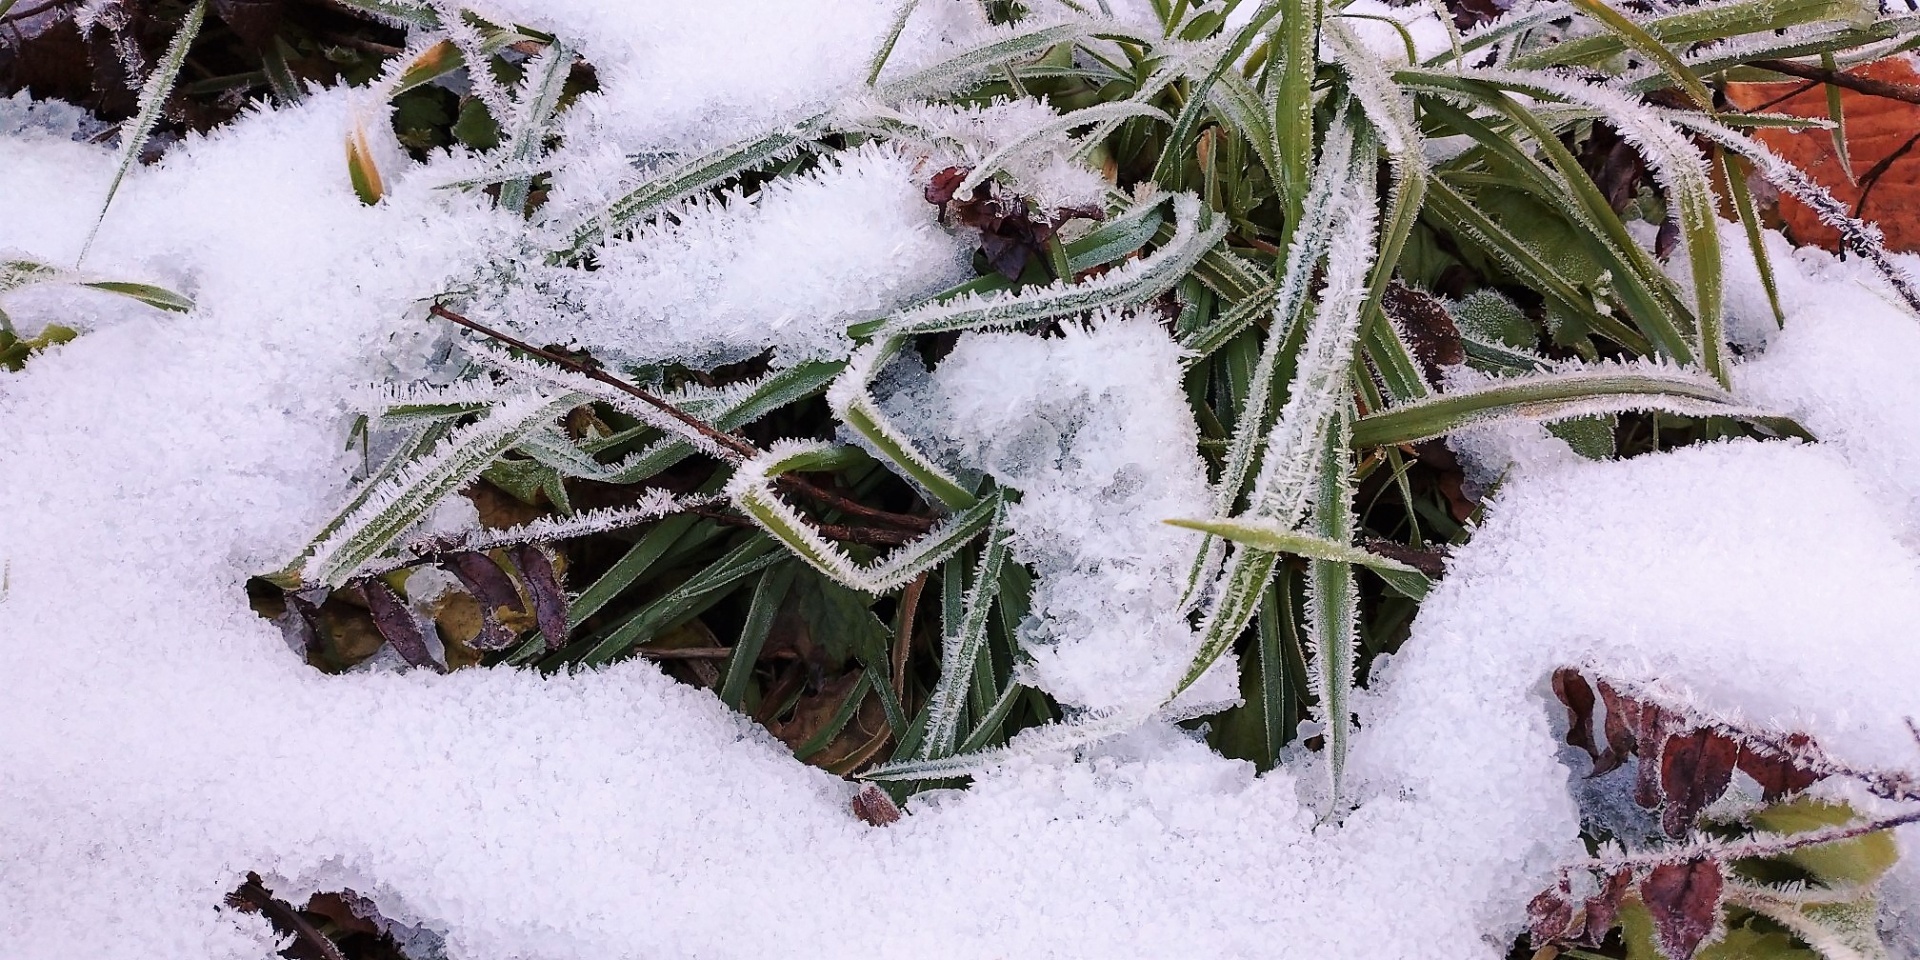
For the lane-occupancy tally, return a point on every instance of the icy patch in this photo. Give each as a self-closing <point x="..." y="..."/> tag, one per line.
<point x="1092" y="428"/>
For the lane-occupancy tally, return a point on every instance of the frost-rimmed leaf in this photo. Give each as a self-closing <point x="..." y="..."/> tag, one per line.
<point x="960" y="649"/>
<point x="539" y="97"/>
<point x="1562" y="394"/>
<point x="153" y="96"/>
<point x="1292" y="463"/>
<point x="751" y="490"/>
<point x="22" y="272"/>
<point x="1274" y="538"/>
<point x="393" y="503"/>
<point x="1195" y="232"/>
<point x="1864" y="239"/>
<point x="1048" y="738"/>
<point x="1333" y="605"/>
<point x="1054" y="130"/>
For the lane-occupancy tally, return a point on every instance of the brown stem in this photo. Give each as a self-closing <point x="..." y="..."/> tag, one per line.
<point x="741" y="448"/>
<point x="903" y="638"/>
<point x="1744" y="849"/>
<point x="1879" y="170"/>
<point x="285" y="918"/>
<point x="1904" y="92"/>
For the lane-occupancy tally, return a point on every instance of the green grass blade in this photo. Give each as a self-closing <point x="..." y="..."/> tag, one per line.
<point x="1558" y="396"/>
<point x="153" y="96"/>
<point x="767" y="595"/>
<point x="539" y="98"/>
<point x="963" y="644"/>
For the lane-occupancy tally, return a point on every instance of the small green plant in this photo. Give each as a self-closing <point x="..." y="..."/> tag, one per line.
<point x="1286" y="185"/>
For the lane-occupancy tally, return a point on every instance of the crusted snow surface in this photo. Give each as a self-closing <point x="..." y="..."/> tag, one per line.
<point x="1092" y="428"/>
<point x="158" y="741"/>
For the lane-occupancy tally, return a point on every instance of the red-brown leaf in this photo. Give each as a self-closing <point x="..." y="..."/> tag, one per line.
<point x="1577" y="695"/>
<point x="1779" y="772"/>
<point x="1623" y="717"/>
<point x="396" y="622"/>
<point x="1651" y="728"/>
<point x="940" y="188"/>
<point x="543" y="585"/>
<point x="1549" y="916"/>
<point x="1695" y="769"/>
<point x="1684" y="899"/>
<point x="873" y="805"/>
<point x="1603" y="908"/>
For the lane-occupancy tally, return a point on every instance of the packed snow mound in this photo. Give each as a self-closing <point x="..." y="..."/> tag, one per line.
<point x="158" y="741"/>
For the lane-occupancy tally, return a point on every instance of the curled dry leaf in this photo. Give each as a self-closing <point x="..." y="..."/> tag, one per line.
<point x="1684" y="901"/>
<point x="396" y="622"/>
<point x="492" y="588"/>
<point x="1604" y="907"/>
<point x="1429" y="328"/>
<point x="1695" y="768"/>
<point x="1010" y="232"/>
<point x="1550" y="915"/>
<point x="1576" y="694"/>
<point x="543" y="585"/>
<point x="873" y="805"/>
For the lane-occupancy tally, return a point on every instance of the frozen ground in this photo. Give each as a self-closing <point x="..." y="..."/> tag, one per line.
<point x="158" y="741"/>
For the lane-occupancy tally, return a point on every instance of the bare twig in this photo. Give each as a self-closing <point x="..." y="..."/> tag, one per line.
<point x="739" y="447"/>
<point x="1904" y="92"/>
<point x="285" y="918"/>
<point x="1760" y="846"/>
<point x="1872" y="177"/>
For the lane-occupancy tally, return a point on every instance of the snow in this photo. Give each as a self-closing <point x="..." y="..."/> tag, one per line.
<point x="158" y="741"/>
<point x="1092" y="428"/>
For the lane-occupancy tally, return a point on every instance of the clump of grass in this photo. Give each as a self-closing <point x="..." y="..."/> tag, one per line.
<point x="1315" y="304"/>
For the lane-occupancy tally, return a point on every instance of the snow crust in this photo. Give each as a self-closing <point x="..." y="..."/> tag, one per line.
<point x="157" y="740"/>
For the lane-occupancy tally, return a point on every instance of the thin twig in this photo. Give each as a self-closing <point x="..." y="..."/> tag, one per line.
<point x="1743" y="849"/>
<point x="710" y="653"/>
<point x="1904" y="92"/>
<point x="741" y="448"/>
<point x="1872" y="177"/>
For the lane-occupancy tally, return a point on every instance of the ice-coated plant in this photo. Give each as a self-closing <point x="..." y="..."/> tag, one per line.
<point x="1364" y="240"/>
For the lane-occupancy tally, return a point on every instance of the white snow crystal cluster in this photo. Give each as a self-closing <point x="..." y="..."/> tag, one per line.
<point x="158" y="741"/>
<point x="1092" y="428"/>
<point x="789" y="267"/>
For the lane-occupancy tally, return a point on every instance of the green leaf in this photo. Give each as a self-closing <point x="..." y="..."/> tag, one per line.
<point x="1558" y="396"/>
<point x="153" y="96"/>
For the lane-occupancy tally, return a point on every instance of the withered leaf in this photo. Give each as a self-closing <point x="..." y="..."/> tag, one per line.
<point x="543" y="585"/>
<point x="1550" y="915"/>
<point x="489" y="585"/>
<point x="396" y="622"/>
<point x="1623" y="718"/>
<point x="1780" y="772"/>
<point x="300" y="621"/>
<point x="1577" y="696"/>
<point x="940" y="188"/>
<point x="873" y="805"/>
<point x="1603" y="908"/>
<point x="1695" y="768"/>
<point x="1651" y="728"/>
<point x="1430" y="329"/>
<point x="1684" y="900"/>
